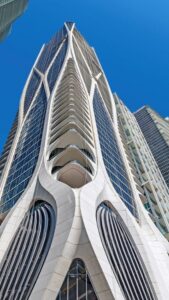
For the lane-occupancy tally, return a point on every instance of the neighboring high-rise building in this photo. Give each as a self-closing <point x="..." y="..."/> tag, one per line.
<point x="147" y="173"/>
<point x="156" y="132"/>
<point x="10" y="10"/>
<point x="73" y="223"/>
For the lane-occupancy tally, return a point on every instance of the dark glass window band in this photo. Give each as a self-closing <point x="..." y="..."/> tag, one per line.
<point x="27" y="153"/>
<point x="112" y="158"/>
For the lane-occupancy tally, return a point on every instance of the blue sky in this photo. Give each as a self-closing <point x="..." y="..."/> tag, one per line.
<point x="131" y="38"/>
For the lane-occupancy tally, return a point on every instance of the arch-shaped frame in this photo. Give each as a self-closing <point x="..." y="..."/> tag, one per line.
<point x="123" y="255"/>
<point x="27" y="252"/>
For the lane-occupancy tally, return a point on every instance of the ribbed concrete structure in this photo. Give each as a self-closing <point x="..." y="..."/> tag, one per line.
<point x="73" y="223"/>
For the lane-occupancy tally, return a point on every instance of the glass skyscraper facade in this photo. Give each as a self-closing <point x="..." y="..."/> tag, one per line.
<point x="156" y="133"/>
<point x="27" y="152"/>
<point x="10" y="10"/>
<point x="111" y="154"/>
<point x="72" y="197"/>
<point x="154" y="190"/>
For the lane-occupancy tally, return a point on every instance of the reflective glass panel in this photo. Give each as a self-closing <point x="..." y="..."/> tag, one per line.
<point x="31" y="90"/>
<point x="111" y="154"/>
<point x="50" y="50"/>
<point x="56" y="66"/>
<point x="26" y="154"/>
<point x="77" y="284"/>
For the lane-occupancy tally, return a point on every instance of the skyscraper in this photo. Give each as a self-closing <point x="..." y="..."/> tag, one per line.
<point x="74" y="226"/>
<point x="147" y="173"/>
<point x="156" y="132"/>
<point x="10" y="10"/>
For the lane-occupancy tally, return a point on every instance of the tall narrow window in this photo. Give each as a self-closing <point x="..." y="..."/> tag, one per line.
<point x="77" y="284"/>
<point x="111" y="154"/>
<point x="27" y="153"/>
<point x="50" y="50"/>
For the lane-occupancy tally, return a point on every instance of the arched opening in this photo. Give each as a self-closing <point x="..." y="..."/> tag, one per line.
<point x="27" y="252"/>
<point x="77" y="284"/>
<point x="123" y="255"/>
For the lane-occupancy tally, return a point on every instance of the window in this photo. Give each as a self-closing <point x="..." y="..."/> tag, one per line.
<point x="77" y="284"/>
<point x="111" y="153"/>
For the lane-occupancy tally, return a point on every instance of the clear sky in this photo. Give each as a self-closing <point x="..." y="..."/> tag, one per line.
<point x="131" y="38"/>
